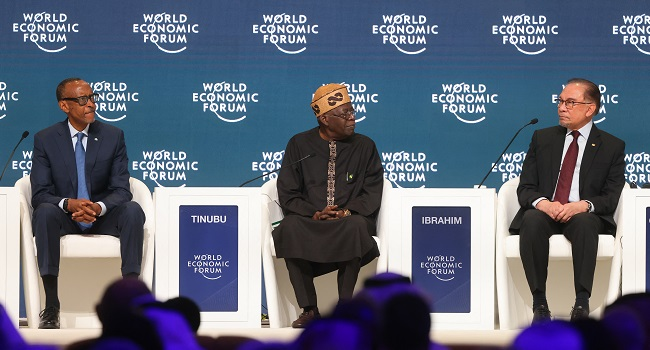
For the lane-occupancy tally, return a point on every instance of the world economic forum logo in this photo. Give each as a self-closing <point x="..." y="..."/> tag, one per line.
<point x="269" y="164"/>
<point x="361" y="97"/>
<point x="288" y="32"/>
<point x="48" y="31"/>
<point x="404" y="169"/>
<point x="442" y="267"/>
<point x="113" y="99"/>
<point x="169" y="32"/>
<point x="210" y="266"/>
<point x="164" y="167"/>
<point x="525" y="32"/>
<point x="408" y="33"/>
<point x="510" y="165"/>
<point x="635" y="31"/>
<point x="6" y="95"/>
<point x="467" y="102"/>
<point x="24" y="166"/>
<point x="637" y="168"/>
<point x="229" y="101"/>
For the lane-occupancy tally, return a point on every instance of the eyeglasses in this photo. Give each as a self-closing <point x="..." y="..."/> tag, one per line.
<point x="82" y="100"/>
<point x="345" y="115"/>
<point x="570" y="103"/>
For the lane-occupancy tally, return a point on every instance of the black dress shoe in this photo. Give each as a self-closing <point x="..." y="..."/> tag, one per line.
<point x="49" y="318"/>
<point x="541" y="314"/>
<point x="578" y="313"/>
<point x="305" y="318"/>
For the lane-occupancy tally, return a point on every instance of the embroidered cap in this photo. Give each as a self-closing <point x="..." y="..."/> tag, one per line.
<point x="328" y="97"/>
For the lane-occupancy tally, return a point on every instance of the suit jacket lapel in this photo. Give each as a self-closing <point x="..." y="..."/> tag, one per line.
<point x="64" y="143"/>
<point x="557" y="148"/>
<point x="591" y="148"/>
<point x="92" y="149"/>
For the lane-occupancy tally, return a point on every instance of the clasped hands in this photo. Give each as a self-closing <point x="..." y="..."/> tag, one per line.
<point x="562" y="212"/>
<point x="83" y="210"/>
<point x="330" y="212"/>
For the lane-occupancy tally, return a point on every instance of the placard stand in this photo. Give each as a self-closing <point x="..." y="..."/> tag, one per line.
<point x="10" y="251"/>
<point x="444" y="240"/>
<point x="634" y="227"/>
<point x="208" y="249"/>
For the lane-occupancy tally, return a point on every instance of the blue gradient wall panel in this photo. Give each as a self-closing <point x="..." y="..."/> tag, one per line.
<point x="209" y="92"/>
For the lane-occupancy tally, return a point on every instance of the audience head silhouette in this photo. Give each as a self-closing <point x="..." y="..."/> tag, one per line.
<point x="187" y="308"/>
<point x="120" y="315"/>
<point x="557" y="335"/>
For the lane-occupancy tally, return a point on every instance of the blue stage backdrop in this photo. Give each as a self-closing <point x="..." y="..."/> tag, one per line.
<point x="208" y="92"/>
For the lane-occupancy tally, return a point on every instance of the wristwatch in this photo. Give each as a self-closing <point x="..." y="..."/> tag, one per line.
<point x="588" y="206"/>
<point x="65" y="205"/>
<point x="346" y="212"/>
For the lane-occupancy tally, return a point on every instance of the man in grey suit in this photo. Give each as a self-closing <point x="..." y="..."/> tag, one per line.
<point x="569" y="187"/>
<point x="80" y="184"/>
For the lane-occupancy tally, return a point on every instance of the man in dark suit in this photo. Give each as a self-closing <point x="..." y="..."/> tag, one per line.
<point x="80" y="184"/>
<point x="571" y="188"/>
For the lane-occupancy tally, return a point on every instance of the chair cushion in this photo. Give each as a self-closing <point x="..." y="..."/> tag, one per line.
<point x="560" y="247"/>
<point x="90" y="246"/>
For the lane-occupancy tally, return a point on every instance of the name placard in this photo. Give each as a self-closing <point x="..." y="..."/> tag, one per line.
<point x="441" y="260"/>
<point x="208" y="255"/>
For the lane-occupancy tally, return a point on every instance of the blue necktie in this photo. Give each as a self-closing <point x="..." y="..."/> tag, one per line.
<point x="82" y="189"/>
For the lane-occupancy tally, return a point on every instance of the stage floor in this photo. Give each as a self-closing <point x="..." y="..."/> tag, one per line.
<point x="63" y="337"/>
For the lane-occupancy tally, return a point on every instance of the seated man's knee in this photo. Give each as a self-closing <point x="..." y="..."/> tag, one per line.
<point x="533" y="217"/>
<point x="583" y="218"/>
<point x="534" y="223"/>
<point x="587" y="221"/>
<point x="46" y="210"/>
<point x="132" y="211"/>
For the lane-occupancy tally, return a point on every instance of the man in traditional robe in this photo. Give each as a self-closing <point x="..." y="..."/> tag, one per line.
<point x="330" y="201"/>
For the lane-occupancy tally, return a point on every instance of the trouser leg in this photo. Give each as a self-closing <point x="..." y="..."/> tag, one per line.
<point x="131" y="226"/>
<point x="49" y="223"/>
<point x="582" y="231"/>
<point x="536" y="228"/>
<point x="301" y="276"/>
<point x="347" y="277"/>
<point x="127" y="223"/>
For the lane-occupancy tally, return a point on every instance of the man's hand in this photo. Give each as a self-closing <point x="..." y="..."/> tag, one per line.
<point x="550" y="208"/>
<point x="571" y="209"/>
<point x="562" y="212"/>
<point x="83" y="210"/>
<point x="330" y="212"/>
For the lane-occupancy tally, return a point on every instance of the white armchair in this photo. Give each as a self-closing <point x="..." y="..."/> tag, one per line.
<point x="281" y="301"/>
<point x="513" y="294"/>
<point x="99" y="267"/>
